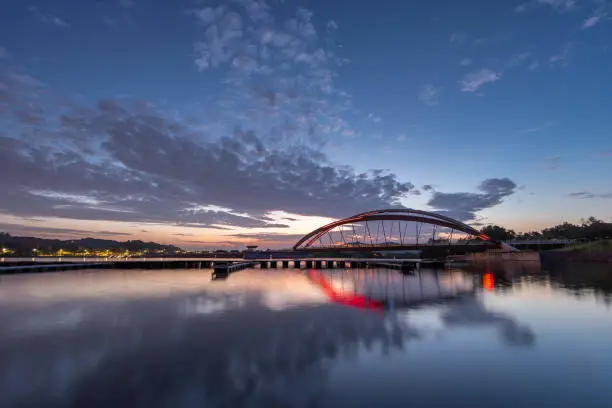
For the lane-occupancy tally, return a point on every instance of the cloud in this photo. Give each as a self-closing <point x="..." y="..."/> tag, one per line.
<point x="476" y="79"/>
<point x="533" y="66"/>
<point x="269" y="239"/>
<point x="127" y="3"/>
<point x="40" y="231"/>
<point x="374" y="118"/>
<point x="276" y="57"/>
<point x="464" y="206"/>
<point x="457" y="38"/>
<point x="255" y="150"/>
<point x="589" y="195"/>
<point x="553" y="162"/>
<point x="561" y="58"/>
<point x="295" y="339"/>
<point x="465" y="62"/>
<point x="430" y="94"/>
<point x="124" y="160"/>
<point x="557" y="5"/>
<point x="519" y="58"/>
<point x="47" y="18"/>
<point x="558" y="59"/>
<point x="604" y="155"/>
<point x="598" y="16"/>
<point x="538" y="128"/>
<point x="591" y="21"/>
<point x="470" y="311"/>
<point x="331" y="25"/>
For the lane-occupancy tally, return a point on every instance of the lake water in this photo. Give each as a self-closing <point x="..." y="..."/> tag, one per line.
<point x="507" y="335"/>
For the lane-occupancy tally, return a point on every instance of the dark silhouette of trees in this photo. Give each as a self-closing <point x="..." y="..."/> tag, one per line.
<point x="24" y="245"/>
<point x="498" y="233"/>
<point x="590" y="229"/>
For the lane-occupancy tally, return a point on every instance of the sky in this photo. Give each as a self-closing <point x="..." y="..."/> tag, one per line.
<point x="223" y="123"/>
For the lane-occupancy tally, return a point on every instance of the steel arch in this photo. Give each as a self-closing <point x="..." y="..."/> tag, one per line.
<point x="403" y="214"/>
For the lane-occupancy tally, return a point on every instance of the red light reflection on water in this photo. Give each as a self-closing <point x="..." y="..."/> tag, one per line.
<point x="488" y="281"/>
<point x="359" y="301"/>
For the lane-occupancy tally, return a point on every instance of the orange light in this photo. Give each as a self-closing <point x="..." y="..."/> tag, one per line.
<point x="488" y="281"/>
<point x="358" y="301"/>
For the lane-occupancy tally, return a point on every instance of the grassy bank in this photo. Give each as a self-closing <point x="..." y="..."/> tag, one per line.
<point x="601" y="246"/>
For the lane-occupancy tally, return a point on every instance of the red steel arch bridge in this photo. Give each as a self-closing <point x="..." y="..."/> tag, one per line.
<point x="394" y="230"/>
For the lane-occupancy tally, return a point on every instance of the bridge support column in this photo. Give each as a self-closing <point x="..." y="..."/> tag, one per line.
<point x="319" y="264"/>
<point x="308" y="264"/>
<point x="285" y="264"/>
<point x="296" y="264"/>
<point x="263" y="264"/>
<point x="273" y="264"/>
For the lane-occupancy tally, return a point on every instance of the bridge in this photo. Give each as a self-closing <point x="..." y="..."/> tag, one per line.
<point x="541" y="244"/>
<point x="405" y="229"/>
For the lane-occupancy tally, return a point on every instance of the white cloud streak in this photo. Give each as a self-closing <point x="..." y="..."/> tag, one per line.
<point x="538" y="128"/>
<point x="558" y="5"/>
<point x="430" y="94"/>
<point x="47" y="18"/>
<point x="597" y="17"/>
<point x="476" y="79"/>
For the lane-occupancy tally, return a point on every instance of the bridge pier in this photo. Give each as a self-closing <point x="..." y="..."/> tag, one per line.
<point x="263" y="264"/>
<point x="340" y="264"/>
<point x="286" y="264"/>
<point x="272" y="264"/>
<point x="319" y="264"/>
<point x="308" y="264"/>
<point x="296" y="264"/>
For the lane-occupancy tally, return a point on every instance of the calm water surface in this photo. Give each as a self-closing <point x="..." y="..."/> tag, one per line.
<point x="493" y="336"/>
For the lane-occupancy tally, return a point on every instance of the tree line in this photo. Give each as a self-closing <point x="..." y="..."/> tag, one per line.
<point x="590" y="229"/>
<point x="25" y="245"/>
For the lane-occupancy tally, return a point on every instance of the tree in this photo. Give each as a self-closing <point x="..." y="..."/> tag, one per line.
<point x="596" y="229"/>
<point x="529" y="235"/>
<point x="497" y="233"/>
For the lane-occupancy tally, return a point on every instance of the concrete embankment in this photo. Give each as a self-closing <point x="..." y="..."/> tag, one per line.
<point x="530" y="256"/>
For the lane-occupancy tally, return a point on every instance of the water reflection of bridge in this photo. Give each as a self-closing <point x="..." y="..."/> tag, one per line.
<point x="378" y="288"/>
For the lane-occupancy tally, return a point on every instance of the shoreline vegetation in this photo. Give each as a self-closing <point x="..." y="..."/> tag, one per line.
<point x="597" y="251"/>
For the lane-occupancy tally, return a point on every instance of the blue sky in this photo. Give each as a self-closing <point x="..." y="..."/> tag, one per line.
<point x="441" y="94"/>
